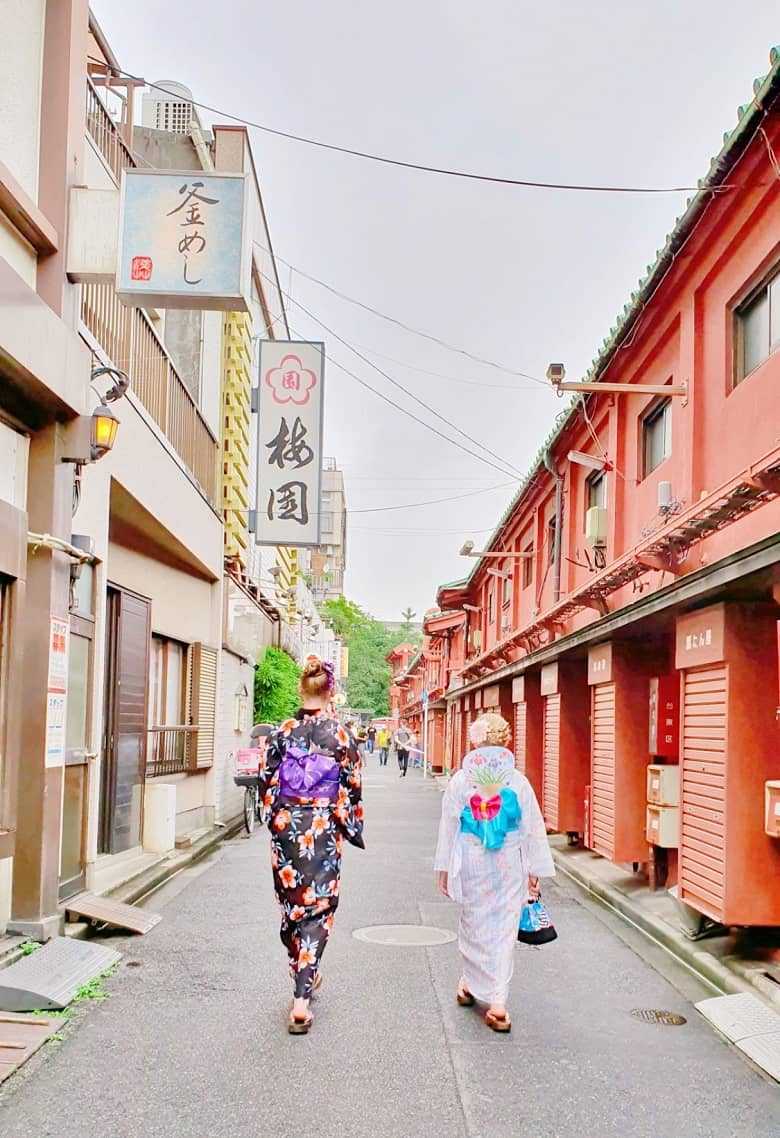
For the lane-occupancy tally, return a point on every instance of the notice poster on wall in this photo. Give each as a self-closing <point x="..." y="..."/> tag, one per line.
<point x="55" y="729"/>
<point x="56" y="696"/>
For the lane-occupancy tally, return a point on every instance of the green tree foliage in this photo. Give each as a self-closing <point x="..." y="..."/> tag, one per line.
<point x="369" y="641"/>
<point x="276" y="687"/>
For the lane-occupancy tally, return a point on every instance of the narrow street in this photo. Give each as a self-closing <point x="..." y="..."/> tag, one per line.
<point x="192" y="1041"/>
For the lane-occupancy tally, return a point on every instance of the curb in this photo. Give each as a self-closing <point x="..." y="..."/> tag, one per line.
<point x="150" y="880"/>
<point x="719" y="976"/>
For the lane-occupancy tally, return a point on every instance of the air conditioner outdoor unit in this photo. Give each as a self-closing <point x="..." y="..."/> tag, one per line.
<point x="596" y="526"/>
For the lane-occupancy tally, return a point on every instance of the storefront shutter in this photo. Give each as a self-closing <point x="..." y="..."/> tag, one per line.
<point x="703" y="788"/>
<point x="202" y="699"/>
<point x="552" y="748"/>
<point x="602" y="779"/>
<point x="521" y="710"/>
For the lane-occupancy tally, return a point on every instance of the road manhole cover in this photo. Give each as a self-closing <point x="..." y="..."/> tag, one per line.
<point x="652" y="1015"/>
<point x="404" y="936"/>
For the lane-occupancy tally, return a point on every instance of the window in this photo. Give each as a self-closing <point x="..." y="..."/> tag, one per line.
<point x="656" y="436"/>
<point x="757" y="328"/>
<point x="491" y="604"/>
<point x="596" y="492"/>
<point x="528" y="566"/>
<point x="506" y="588"/>
<point x="551" y="528"/>
<point x="167" y="673"/>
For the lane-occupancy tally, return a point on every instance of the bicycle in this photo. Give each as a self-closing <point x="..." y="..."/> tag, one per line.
<point x="248" y="762"/>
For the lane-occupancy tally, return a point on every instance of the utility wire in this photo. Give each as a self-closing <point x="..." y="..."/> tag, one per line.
<point x="419" y="166"/>
<point x="408" y="327"/>
<point x="416" y="418"/>
<point x="509" y="468"/>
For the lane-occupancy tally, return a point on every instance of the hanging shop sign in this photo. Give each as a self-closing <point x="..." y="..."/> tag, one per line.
<point x="289" y="443"/>
<point x="182" y="240"/>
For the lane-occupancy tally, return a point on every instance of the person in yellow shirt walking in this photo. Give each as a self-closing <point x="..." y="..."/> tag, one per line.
<point x="383" y="743"/>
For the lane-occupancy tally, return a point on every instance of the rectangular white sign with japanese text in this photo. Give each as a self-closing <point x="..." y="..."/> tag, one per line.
<point x="182" y="240"/>
<point x="289" y="443"/>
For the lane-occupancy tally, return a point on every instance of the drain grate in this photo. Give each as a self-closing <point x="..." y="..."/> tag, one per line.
<point x="404" y="936"/>
<point x="652" y="1015"/>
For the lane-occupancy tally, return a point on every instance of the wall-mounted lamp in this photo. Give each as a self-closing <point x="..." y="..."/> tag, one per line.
<point x="592" y="461"/>
<point x="557" y="372"/>
<point x="103" y="431"/>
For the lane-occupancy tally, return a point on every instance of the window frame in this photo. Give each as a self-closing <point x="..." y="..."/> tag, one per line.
<point x="768" y="287"/>
<point x="657" y="411"/>
<point x="528" y="566"/>
<point x="597" y="479"/>
<point x="552" y="528"/>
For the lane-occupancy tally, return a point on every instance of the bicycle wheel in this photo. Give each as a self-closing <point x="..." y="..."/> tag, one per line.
<point x="250" y="808"/>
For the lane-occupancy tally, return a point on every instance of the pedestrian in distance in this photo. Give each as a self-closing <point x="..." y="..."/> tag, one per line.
<point x="403" y="741"/>
<point x="311" y="782"/>
<point x="383" y="742"/>
<point x="370" y="739"/>
<point x="491" y="852"/>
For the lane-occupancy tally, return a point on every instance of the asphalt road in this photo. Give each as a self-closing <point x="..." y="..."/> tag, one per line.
<point x="192" y="1041"/>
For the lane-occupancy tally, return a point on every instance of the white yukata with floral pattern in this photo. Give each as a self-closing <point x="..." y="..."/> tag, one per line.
<point x="491" y="885"/>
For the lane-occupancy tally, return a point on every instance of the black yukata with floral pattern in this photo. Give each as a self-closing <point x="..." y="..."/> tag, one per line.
<point x="307" y="837"/>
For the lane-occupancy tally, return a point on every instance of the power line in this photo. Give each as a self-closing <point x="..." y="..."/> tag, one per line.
<point x="407" y="327"/>
<point x="509" y="468"/>
<point x="416" y="418"/>
<point x="419" y="166"/>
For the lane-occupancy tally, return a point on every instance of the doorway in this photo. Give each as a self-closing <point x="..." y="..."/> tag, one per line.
<point x="128" y="630"/>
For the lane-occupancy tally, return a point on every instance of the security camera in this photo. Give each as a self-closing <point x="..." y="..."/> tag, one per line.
<point x="556" y="373"/>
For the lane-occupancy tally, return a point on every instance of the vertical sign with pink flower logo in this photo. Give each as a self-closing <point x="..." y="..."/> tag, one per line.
<point x="289" y="451"/>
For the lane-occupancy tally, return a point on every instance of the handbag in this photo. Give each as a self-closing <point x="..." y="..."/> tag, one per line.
<point x="535" y="926"/>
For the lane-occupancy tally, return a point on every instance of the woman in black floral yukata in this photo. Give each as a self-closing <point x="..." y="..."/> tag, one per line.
<point x="311" y="783"/>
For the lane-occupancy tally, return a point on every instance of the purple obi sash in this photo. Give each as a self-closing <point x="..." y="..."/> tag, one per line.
<point x="308" y="774"/>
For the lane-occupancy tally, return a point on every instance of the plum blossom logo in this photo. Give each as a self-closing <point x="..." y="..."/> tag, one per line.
<point x="291" y="382"/>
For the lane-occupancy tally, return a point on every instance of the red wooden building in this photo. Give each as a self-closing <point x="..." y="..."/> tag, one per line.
<point x="629" y="632"/>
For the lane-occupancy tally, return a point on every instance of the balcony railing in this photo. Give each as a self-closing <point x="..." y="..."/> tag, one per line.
<point x="105" y="134"/>
<point x="168" y="750"/>
<point x="127" y="337"/>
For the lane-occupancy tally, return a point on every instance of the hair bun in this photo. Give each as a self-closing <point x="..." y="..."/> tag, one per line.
<point x="313" y="666"/>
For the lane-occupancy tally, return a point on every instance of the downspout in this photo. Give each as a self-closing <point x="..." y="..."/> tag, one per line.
<point x="558" y="525"/>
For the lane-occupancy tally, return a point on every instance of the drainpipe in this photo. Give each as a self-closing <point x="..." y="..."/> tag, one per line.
<point x="558" y="526"/>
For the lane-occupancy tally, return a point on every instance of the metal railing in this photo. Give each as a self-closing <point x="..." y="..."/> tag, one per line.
<point x="105" y="134"/>
<point x="168" y="750"/>
<point x="128" y="338"/>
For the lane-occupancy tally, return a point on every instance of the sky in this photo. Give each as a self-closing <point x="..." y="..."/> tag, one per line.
<point x="603" y="93"/>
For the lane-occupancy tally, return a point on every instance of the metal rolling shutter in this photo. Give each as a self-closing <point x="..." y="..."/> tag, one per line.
<point x="703" y="788"/>
<point x="519" y="740"/>
<point x="602" y="778"/>
<point x="552" y="747"/>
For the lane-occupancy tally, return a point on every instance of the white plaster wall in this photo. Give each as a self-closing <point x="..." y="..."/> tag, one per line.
<point x="21" y="62"/>
<point x="18" y="253"/>
<point x="211" y="370"/>
<point x="228" y="797"/>
<point x="183" y="607"/>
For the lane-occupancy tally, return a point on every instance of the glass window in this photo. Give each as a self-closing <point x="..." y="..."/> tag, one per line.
<point x="167" y="674"/>
<point x="656" y="436"/>
<point x="77" y="703"/>
<point x="84" y="591"/>
<point x="597" y="491"/>
<point x="551" y="527"/>
<point x="491" y="604"/>
<point x="528" y="566"/>
<point x="506" y="593"/>
<point x="758" y="327"/>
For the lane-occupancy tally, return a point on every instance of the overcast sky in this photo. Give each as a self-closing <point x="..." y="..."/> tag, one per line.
<point x="604" y="92"/>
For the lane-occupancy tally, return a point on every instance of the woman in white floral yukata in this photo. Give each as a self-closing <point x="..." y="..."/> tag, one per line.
<point x="491" y="853"/>
<point x="311" y="782"/>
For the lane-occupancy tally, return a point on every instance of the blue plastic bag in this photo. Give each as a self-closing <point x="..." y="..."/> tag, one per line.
<point x="535" y="925"/>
